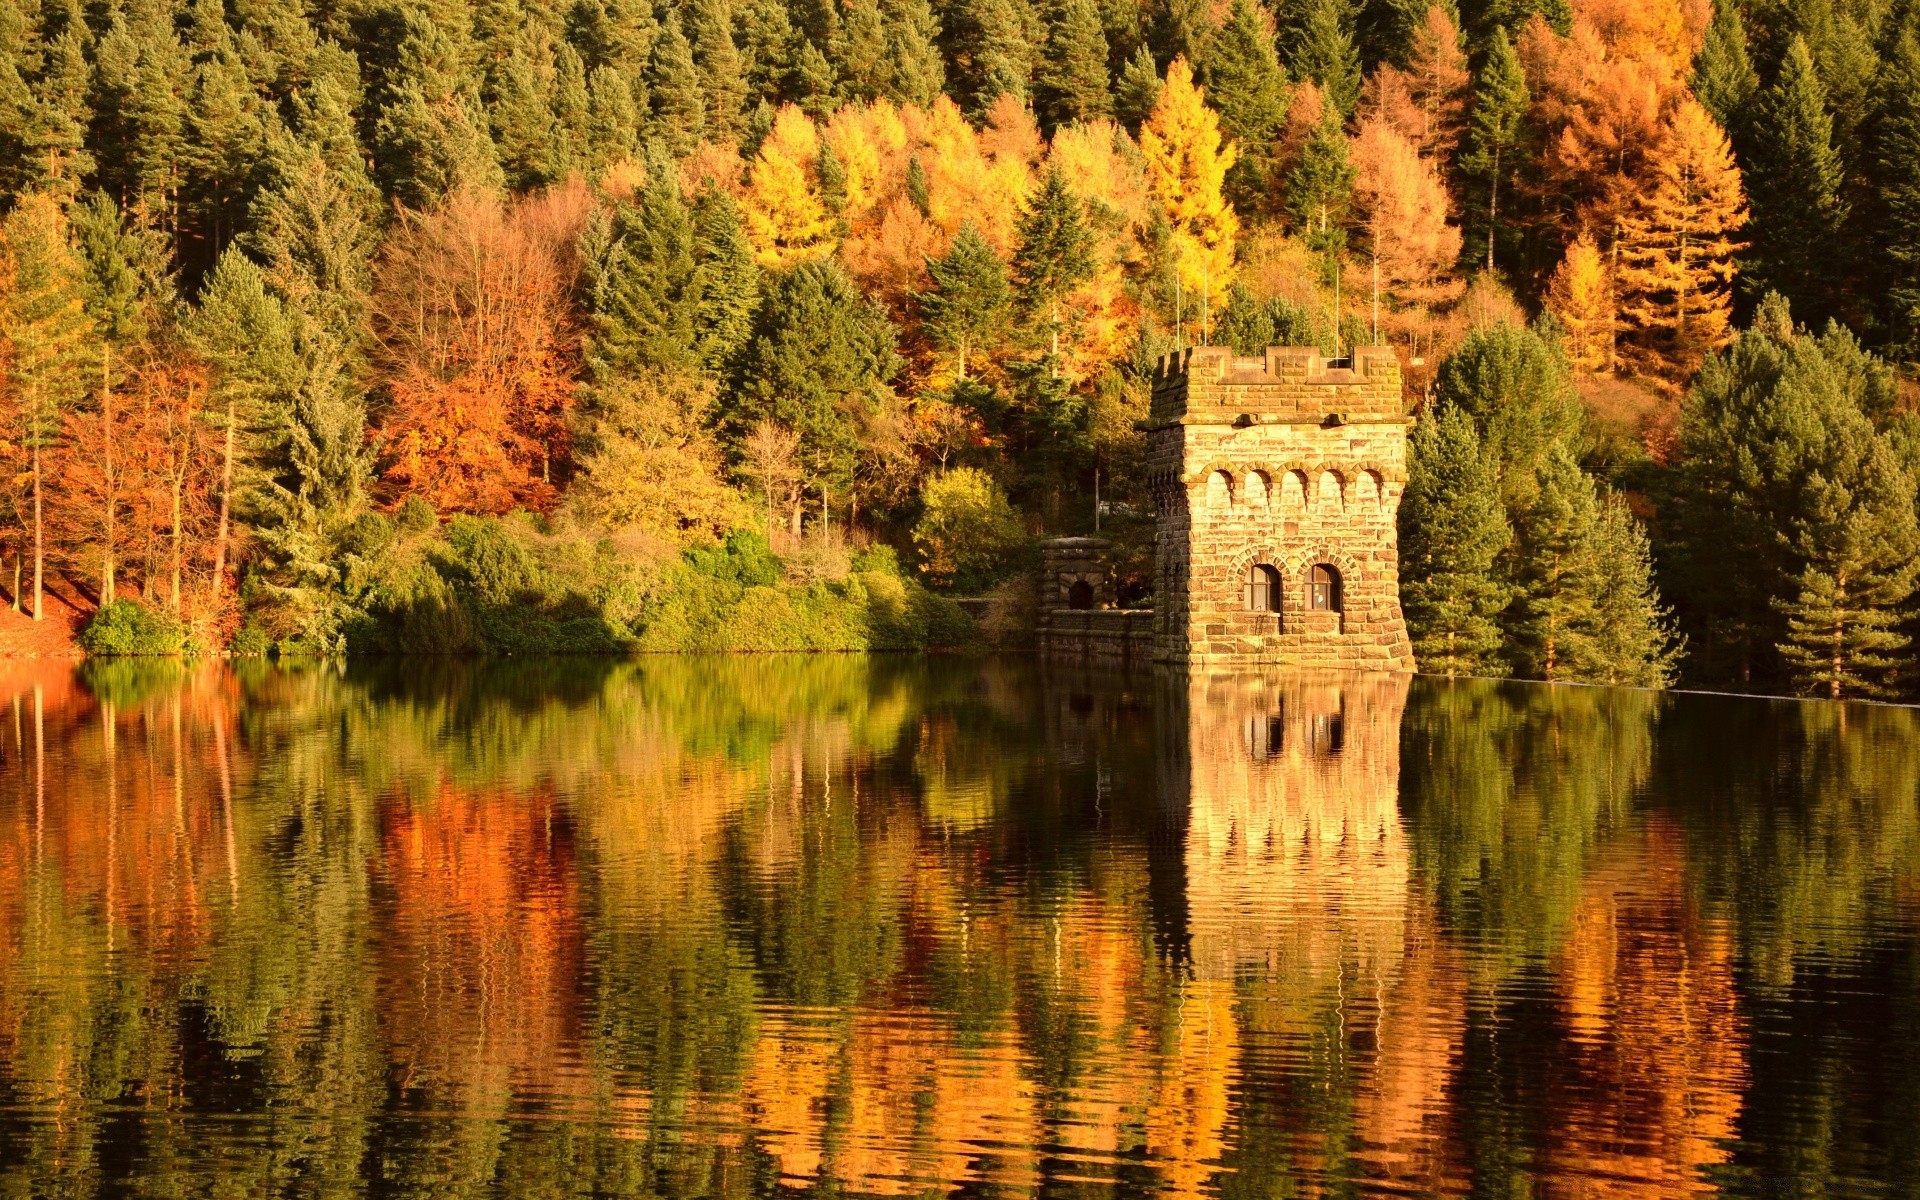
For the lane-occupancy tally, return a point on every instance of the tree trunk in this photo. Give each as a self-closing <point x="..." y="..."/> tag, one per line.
<point x="1493" y="207"/>
<point x="178" y="482"/>
<point x="226" y="509"/>
<point x="112" y="485"/>
<point x="39" y="536"/>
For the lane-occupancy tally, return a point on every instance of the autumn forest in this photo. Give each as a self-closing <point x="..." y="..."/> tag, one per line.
<point x="510" y="325"/>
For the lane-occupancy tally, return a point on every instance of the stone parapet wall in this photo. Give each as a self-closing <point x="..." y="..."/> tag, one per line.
<point x="1111" y="636"/>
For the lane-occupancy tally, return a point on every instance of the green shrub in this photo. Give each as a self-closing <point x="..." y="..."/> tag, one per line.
<point x="967" y="533"/>
<point x="252" y="641"/>
<point x="127" y="627"/>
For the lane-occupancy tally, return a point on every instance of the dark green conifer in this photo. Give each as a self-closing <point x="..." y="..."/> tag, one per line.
<point x="432" y="136"/>
<point x="1895" y="143"/>
<point x="1723" y="76"/>
<point x="1452" y="532"/>
<point x="1001" y="49"/>
<point x="673" y="86"/>
<point x="723" y="80"/>
<point x="1793" y="182"/>
<point x="769" y="45"/>
<point x="966" y="308"/>
<point x="1245" y="81"/>
<point x="646" y="295"/>
<point x="1055" y="254"/>
<point x="860" y="52"/>
<point x="613" y="122"/>
<point x="1491" y="159"/>
<point x="1320" y="187"/>
<point x="815" y="82"/>
<point x="916" y="187"/>
<point x="1071" y="81"/>
<point x="727" y="280"/>
<point x="1516" y="385"/>
<point x="1324" y="52"/>
<point x="915" y="73"/>
<point x="1138" y="89"/>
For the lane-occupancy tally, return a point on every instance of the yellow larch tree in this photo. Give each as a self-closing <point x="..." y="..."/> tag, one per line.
<point x="1187" y="161"/>
<point x="1677" y="247"/>
<point x="783" y="210"/>
<point x="870" y="140"/>
<point x="1100" y="164"/>
<point x="1404" y="201"/>
<point x="1580" y="296"/>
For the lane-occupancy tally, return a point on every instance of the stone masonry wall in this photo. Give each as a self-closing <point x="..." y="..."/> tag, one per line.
<point x="1288" y="461"/>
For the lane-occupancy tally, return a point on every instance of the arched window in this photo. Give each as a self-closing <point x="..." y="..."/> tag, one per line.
<point x="1080" y="594"/>
<point x="1263" y="588"/>
<point x="1323" y="589"/>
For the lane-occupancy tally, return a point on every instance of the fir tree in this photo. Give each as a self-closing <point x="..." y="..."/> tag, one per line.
<point x="1137" y="92"/>
<point x="1493" y="133"/>
<point x="128" y="285"/>
<point x="1001" y="51"/>
<point x="673" y="85"/>
<point x="967" y="305"/>
<point x="768" y="46"/>
<point x="317" y="240"/>
<point x="860" y="50"/>
<point x="1246" y="83"/>
<point x="432" y="136"/>
<point x="1794" y="179"/>
<point x="818" y="363"/>
<point x="1895" y="144"/>
<point x="1723" y="76"/>
<point x="1320" y="187"/>
<point x="1516" y="386"/>
<point x="723" y="80"/>
<point x="1452" y="531"/>
<point x="46" y="338"/>
<point x="226" y="145"/>
<point x="1072" y="83"/>
<point x="916" y="187"/>
<point x="1055" y="254"/>
<point x="815" y="82"/>
<point x="522" y="116"/>
<point x="613" y="120"/>
<point x="915" y="73"/>
<point x="727" y="280"/>
<point x="1324" y="52"/>
<point x="646" y="296"/>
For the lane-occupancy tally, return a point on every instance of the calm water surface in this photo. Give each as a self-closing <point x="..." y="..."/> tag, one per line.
<point x="740" y="927"/>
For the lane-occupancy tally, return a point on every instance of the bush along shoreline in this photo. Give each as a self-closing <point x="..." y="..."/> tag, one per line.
<point x="490" y="586"/>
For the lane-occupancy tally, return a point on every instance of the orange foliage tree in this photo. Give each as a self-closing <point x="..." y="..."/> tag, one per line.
<point x="1405" y="205"/>
<point x="479" y="350"/>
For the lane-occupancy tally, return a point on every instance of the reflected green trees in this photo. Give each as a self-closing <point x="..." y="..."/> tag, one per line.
<point x="729" y="926"/>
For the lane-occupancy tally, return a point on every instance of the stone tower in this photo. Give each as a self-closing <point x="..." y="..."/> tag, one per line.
<point x="1276" y="481"/>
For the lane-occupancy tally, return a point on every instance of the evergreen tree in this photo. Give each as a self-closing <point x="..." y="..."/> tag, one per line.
<point x="967" y="305"/>
<point x="768" y="46"/>
<point x="46" y="341"/>
<point x="723" y="80"/>
<point x="1320" y="187"/>
<point x="915" y="73"/>
<point x="1895" y="144"/>
<point x="815" y="82"/>
<point x="727" y="280"/>
<point x="227" y="139"/>
<point x="1794" y="176"/>
<point x="432" y="136"/>
<point x="1137" y="92"/>
<point x="673" y="84"/>
<point x="1516" y="386"/>
<point x="1055" y="254"/>
<point x="1072" y="83"/>
<point x="860" y="50"/>
<point x="613" y="120"/>
<point x="1493" y="135"/>
<point x="1586" y="609"/>
<point x="522" y="116"/>
<point x="819" y="362"/>
<point x="128" y="285"/>
<point x="1324" y="52"/>
<point x="1001" y="52"/>
<point x="316" y="238"/>
<point x="1452" y="531"/>
<point x="1246" y="83"/>
<point x="916" y="187"/>
<point x="1723" y="76"/>
<point x="646" y="296"/>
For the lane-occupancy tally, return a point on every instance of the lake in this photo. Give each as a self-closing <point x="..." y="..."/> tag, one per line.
<point x="737" y="927"/>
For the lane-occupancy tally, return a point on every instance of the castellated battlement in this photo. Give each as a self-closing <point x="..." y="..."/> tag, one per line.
<point x="1286" y="383"/>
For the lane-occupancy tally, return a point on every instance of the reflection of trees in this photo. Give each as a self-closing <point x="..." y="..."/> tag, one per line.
<point x="729" y="926"/>
<point x="1508" y="791"/>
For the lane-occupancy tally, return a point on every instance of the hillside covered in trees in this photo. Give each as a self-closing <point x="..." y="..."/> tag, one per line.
<point x="580" y="324"/>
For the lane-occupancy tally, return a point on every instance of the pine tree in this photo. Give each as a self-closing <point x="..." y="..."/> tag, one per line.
<point x="860" y="50"/>
<point x="1187" y="165"/>
<point x="432" y="136"/>
<point x="727" y="280"/>
<point x="1055" y="255"/>
<point x="1895" y="143"/>
<point x="673" y="84"/>
<point x="1071" y="78"/>
<point x="1137" y="92"/>
<point x="1246" y="83"/>
<point x="818" y="363"/>
<point x="1676" y="249"/>
<point x="46" y="357"/>
<point x="723" y="80"/>
<point x="1324" y="52"/>
<point x="1723" y="76"/>
<point x="129" y="288"/>
<point x="1794" y="179"/>
<point x="1580" y="296"/>
<point x="815" y="82"/>
<point x="1452" y="531"/>
<point x="522" y="115"/>
<point x="613" y="120"/>
<point x="1516" y="385"/>
<point x="1320" y="187"/>
<point x="967" y="305"/>
<point x="317" y="240"/>
<point x="768" y="44"/>
<point x="1499" y="108"/>
<point x="225" y="145"/>
<point x="646" y="297"/>
<point x="916" y="187"/>
<point x="915" y="73"/>
<point x="1001" y="50"/>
